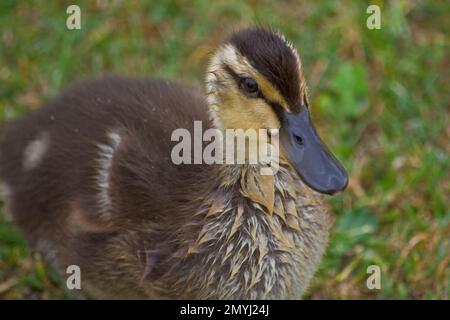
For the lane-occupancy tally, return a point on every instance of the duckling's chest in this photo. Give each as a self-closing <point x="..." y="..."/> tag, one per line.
<point x="246" y="250"/>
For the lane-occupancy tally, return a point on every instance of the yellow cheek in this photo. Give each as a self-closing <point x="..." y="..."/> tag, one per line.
<point x="240" y="112"/>
<point x="264" y="115"/>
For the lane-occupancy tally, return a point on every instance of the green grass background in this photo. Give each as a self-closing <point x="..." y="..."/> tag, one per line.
<point x="380" y="98"/>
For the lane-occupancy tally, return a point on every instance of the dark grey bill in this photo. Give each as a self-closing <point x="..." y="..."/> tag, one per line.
<point x="314" y="163"/>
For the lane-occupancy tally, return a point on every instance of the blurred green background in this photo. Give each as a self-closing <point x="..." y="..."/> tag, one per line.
<point x="380" y="98"/>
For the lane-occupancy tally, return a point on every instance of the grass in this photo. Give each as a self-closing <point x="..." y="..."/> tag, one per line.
<point x="380" y="98"/>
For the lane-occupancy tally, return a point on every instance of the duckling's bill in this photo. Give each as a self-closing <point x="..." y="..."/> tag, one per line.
<point x="304" y="149"/>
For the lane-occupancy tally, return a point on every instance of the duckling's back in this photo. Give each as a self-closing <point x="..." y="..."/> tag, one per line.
<point x="55" y="162"/>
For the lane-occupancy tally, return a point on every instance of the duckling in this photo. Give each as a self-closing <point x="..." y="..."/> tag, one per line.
<point x="91" y="182"/>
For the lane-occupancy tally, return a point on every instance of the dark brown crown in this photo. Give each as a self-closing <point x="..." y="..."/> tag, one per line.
<point x="268" y="53"/>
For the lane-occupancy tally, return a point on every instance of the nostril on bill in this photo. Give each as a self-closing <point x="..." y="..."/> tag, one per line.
<point x="298" y="139"/>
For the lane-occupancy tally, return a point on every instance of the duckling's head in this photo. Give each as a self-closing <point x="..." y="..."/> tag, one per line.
<point x="255" y="81"/>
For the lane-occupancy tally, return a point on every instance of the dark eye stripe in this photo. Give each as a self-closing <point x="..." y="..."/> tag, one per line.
<point x="277" y="108"/>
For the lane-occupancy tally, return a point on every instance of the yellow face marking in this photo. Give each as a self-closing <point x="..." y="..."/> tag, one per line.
<point x="229" y="107"/>
<point x="240" y="112"/>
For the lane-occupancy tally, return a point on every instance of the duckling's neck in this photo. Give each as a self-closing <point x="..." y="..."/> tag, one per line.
<point x="267" y="192"/>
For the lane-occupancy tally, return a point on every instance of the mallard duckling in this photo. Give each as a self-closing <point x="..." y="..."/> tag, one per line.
<point x="91" y="183"/>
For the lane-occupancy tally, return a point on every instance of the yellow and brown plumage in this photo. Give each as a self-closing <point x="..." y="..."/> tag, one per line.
<point x="103" y="193"/>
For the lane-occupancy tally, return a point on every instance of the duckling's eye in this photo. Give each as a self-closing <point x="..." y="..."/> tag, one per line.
<point x="249" y="86"/>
